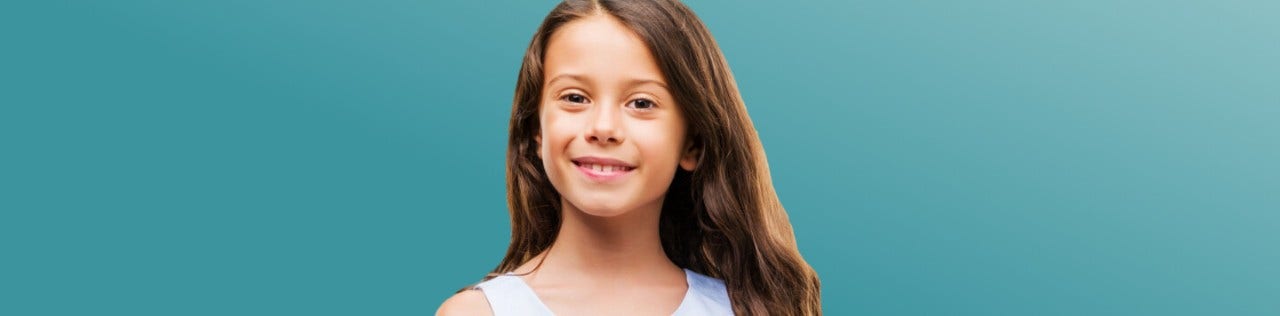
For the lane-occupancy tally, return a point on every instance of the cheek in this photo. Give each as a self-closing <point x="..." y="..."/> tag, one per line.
<point x="556" y="135"/>
<point x="557" y="132"/>
<point x="660" y="144"/>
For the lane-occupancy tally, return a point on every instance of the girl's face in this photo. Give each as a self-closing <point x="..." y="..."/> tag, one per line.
<point x="611" y="135"/>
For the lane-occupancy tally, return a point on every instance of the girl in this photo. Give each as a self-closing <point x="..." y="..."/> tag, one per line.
<point x="635" y="180"/>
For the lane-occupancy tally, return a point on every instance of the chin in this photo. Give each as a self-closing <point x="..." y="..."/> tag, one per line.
<point x="599" y="208"/>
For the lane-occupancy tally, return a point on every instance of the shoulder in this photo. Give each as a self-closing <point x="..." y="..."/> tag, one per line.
<point x="704" y="280"/>
<point x="711" y="291"/>
<point x="469" y="302"/>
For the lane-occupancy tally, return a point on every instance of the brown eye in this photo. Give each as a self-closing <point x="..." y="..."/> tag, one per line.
<point x="643" y="104"/>
<point x="574" y="98"/>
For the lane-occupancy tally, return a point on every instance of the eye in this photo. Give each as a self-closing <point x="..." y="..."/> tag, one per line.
<point x="642" y="104"/>
<point x="574" y="98"/>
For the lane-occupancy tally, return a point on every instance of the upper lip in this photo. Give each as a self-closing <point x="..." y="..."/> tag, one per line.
<point x="593" y="160"/>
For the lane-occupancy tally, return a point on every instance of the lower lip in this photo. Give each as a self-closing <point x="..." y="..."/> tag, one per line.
<point x="601" y="176"/>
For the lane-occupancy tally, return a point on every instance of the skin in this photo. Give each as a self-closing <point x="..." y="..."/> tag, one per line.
<point x="604" y="96"/>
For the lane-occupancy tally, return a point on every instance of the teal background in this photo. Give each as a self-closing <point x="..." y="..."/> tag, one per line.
<point x="345" y="157"/>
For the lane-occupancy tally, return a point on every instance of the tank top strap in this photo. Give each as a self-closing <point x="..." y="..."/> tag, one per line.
<point x="509" y="296"/>
<point x="706" y="296"/>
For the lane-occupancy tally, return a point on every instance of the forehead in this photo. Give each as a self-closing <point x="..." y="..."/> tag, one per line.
<point x="601" y="48"/>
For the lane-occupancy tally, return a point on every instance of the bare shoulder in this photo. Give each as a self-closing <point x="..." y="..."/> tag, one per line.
<point x="469" y="302"/>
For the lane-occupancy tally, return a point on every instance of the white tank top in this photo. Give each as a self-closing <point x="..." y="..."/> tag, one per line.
<point x="508" y="295"/>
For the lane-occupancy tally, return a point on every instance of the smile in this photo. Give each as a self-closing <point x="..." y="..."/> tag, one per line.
<point x="602" y="169"/>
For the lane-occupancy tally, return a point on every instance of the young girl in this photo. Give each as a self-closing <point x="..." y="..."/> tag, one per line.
<point x="636" y="182"/>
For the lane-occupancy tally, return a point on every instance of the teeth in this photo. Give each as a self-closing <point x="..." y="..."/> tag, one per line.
<point x="605" y="168"/>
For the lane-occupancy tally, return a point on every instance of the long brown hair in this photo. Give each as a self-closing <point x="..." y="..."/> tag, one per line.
<point x="723" y="219"/>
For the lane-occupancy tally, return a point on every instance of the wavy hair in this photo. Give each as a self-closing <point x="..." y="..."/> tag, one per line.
<point x="723" y="219"/>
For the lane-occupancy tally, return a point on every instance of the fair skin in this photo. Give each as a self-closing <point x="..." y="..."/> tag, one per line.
<point x="612" y="137"/>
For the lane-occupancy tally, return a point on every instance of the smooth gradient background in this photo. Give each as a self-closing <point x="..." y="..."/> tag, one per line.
<point x="985" y="157"/>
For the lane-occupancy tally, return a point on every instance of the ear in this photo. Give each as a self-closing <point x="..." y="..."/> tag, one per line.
<point x="537" y="139"/>
<point x="689" y="160"/>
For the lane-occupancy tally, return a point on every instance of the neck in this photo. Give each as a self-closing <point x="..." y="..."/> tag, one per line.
<point x="624" y="245"/>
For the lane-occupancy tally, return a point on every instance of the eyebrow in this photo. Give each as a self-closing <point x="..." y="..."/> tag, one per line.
<point x="629" y="83"/>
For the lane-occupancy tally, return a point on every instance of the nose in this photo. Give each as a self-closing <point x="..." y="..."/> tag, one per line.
<point x="603" y="128"/>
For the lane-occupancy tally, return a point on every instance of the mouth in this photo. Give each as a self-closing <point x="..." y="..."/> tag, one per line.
<point x="602" y="169"/>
